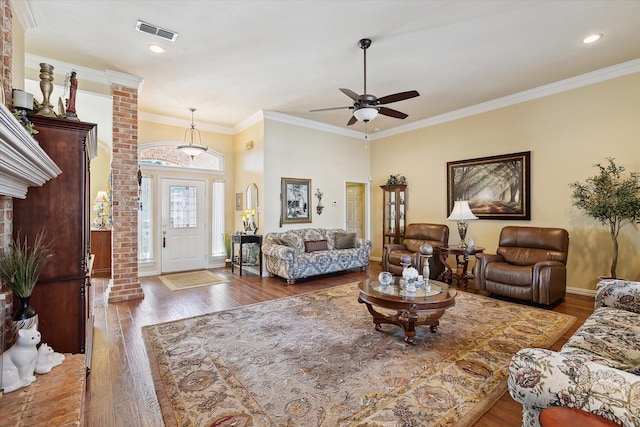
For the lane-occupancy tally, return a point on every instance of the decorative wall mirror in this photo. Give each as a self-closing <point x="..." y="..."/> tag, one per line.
<point x="251" y="203"/>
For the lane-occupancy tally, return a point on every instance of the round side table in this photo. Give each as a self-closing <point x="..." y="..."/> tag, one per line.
<point x="462" y="262"/>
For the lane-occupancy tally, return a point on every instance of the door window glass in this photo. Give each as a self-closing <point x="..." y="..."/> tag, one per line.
<point x="218" y="247"/>
<point x="183" y="206"/>
<point x="145" y="220"/>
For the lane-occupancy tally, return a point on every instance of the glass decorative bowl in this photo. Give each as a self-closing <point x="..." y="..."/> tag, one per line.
<point x="385" y="278"/>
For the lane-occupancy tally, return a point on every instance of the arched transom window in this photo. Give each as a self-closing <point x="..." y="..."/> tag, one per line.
<point x="165" y="154"/>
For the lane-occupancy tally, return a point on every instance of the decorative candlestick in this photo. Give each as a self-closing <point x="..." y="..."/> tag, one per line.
<point x="46" y="86"/>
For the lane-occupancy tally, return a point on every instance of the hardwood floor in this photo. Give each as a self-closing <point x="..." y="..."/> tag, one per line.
<point x="120" y="389"/>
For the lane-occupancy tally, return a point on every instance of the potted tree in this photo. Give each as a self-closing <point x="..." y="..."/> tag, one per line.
<point x="611" y="198"/>
<point x="20" y="268"/>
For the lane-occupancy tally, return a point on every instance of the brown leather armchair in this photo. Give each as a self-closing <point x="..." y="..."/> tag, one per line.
<point x="414" y="236"/>
<point x="530" y="265"/>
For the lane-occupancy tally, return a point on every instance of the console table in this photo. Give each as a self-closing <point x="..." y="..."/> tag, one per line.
<point x="242" y="239"/>
<point x="462" y="263"/>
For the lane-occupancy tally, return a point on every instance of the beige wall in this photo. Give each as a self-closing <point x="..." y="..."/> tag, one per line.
<point x="329" y="160"/>
<point x="566" y="133"/>
<point x="249" y="167"/>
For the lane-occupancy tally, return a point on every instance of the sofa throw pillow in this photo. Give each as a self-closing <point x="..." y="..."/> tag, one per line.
<point x="345" y="240"/>
<point x="292" y="241"/>
<point x="315" y="245"/>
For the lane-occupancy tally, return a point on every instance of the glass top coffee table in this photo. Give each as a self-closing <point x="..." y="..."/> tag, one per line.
<point x="422" y="307"/>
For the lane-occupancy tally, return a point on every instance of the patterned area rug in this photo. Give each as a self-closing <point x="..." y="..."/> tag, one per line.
<point x="191" y="279"/>
<point x="316" y="360"/>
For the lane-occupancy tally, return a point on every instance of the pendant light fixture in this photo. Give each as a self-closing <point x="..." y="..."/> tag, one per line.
<point x="191" y="148"/>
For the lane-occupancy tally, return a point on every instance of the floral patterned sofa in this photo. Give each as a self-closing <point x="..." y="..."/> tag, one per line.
<point x="597" y="370"/>
<point x="301" y="253"/>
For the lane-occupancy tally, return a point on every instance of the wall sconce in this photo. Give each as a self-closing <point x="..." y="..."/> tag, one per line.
<point x="319" y="206"/>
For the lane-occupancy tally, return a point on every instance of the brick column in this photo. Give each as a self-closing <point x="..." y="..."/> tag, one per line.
<point x="125" y="284"/>
<point x="6" y="202"/>
<point x="6" y="49"/>
<point x="7" y="52"/>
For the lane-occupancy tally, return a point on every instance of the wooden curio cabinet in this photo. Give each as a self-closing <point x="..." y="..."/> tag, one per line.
<point x="62" y="296"/>
<point x="394" y="212"/>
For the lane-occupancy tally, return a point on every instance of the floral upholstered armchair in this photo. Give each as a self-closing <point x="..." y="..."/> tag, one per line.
<point x="597" y="370"/>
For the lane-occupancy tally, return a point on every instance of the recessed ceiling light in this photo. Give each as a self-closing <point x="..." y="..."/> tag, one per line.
<point x="592" y="38"/>
<point x="156" y="48"/>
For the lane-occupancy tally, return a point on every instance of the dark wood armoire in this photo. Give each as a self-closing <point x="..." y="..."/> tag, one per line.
<point x="62" y="296"/>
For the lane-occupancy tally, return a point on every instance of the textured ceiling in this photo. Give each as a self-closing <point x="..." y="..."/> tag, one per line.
<point x="235" y="58"/>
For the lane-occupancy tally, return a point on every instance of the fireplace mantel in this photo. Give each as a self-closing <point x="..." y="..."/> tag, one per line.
<point x="23" y="163"/>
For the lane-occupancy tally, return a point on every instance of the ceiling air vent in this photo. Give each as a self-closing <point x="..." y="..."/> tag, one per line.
<point x="145" y="27"/>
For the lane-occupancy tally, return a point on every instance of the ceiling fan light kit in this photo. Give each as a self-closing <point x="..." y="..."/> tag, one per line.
<point x="365" y="114"/>
<point x="366" y="107"/>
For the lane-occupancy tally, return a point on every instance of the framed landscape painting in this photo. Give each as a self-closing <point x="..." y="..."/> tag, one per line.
<point x="496" y="187"/>
<point x="296" y="204"/>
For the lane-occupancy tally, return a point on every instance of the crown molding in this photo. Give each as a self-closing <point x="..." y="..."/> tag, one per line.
<point x="311" y="124"/>
<point x="124" y="79"/>
<point x="104" y="77"/>
<point x="22" y="11"/>
<point x="166" y="120"/>
<point x="598" y="76"/>
<point x="256" y="117"/>
<point x="91" y="74"/>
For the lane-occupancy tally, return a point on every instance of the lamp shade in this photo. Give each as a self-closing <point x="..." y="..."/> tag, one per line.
<point x="102" y="197"/>
<point x="461" y="211"/>
<point x="365" y="114"/>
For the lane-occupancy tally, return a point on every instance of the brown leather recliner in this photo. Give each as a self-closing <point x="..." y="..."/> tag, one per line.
<point x="530" y="265"/>
<point x="414" y="236"/>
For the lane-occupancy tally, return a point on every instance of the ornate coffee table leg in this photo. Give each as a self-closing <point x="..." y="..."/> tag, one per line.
<point x="378" y="318"/>
<point x="408" y="321"/>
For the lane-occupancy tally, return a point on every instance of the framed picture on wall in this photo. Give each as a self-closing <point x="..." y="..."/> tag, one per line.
<point x="496" y="187"/>
<point x="238" y="201"/>
<point x="296" y="204"/>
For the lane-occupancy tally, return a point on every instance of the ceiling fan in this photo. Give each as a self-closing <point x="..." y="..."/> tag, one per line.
<point x="366" y="106"/>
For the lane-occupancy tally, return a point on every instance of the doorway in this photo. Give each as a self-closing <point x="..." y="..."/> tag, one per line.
<point x="183" y="224"/>
<point x="355" y="204"/>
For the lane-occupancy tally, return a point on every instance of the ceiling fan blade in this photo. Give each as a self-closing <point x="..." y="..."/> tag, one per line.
<point x="332" y="108"/>
<point x="392" y="113"/>
<point x="400" y="96"/>
<point x="352" y="120"/>
<point x="351" y="94"/>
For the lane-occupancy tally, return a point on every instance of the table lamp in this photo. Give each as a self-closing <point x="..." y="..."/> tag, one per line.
<point x="461" y="212"/>
<point x="100" y="203"/>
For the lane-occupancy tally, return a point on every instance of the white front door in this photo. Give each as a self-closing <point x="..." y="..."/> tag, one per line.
<point x="184" y="227"/>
